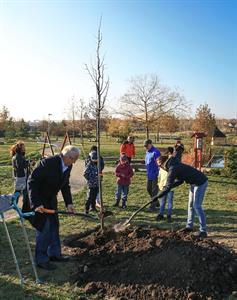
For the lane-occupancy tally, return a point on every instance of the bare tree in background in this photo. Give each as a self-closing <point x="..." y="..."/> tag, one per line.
<point x="97" y="73"/>
<point x="82" y="111"/>
<point x="72" y="112"/>
<point x="147" y="100"/>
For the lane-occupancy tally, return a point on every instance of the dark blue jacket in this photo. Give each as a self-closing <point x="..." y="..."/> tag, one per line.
<point x="19" y="164"/>
<point x="179" y="173"/>
<point x="151" y="164"/>
<point x="91" y="175"/>
<point x="44" y="183"/>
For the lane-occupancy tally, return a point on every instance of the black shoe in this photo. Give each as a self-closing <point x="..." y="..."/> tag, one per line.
<point x="169" y="219"/>
<point x="159" y="217"/>
<point x="87" y="212"/>
<point x="47" y="266"/>
<point x="59" y="258"/>
<point x="186" y="230"/>
<point x="202" y="234"/>
<point x="116" y="204"/>
<point x="124" y="206"/>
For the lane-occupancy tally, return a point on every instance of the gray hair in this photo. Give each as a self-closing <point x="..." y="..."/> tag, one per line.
<point x="70" y="151"/>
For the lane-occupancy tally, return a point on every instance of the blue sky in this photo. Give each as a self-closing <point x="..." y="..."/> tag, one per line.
<point x="44" y="46"/>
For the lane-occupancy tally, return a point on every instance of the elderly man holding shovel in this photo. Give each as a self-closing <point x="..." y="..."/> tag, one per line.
<point x="48" y="178"/>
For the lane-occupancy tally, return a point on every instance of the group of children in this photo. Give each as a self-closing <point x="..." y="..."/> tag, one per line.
<point x="123" y="173"/>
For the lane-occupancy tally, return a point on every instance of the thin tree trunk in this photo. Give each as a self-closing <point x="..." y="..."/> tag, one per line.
<point x="99" y="169"/>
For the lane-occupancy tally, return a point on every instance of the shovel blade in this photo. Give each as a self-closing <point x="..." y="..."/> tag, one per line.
<point x="121" y="226"/>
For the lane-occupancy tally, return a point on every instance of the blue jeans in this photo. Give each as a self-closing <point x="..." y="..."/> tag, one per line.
<point x="196" y="195"/>
<point x="168" y="197"/>
<point x="122" y="190"/>
<point x="48" y="241"/>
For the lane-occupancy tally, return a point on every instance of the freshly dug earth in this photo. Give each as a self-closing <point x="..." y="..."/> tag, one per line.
<point x="147" y="263"/>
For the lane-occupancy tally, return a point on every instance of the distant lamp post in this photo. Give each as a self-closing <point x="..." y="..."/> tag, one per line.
<point x="49" y="115"/>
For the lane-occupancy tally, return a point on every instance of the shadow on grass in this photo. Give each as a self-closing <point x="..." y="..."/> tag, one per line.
<point x="217" y="220"/>
<point x="222" y="180"/>
<point x="10" y="290"/>
<point x="7" y="265"/>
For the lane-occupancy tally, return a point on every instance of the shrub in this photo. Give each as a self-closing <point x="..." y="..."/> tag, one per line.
<point x="231" y="162"/>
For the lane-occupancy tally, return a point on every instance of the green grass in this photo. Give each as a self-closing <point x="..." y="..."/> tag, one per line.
<point x="6" y="180"/>
<point x="220" y="205"/>
<point x="109" y="147"/>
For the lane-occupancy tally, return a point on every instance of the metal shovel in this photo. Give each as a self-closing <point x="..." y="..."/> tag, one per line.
<point x="84" y="215"/>
<point x="123" y="225"/>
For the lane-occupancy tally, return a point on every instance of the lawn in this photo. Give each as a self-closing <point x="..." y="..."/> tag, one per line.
<point x="220" y="205"/>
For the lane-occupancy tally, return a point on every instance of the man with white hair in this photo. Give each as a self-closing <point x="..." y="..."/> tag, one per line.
<point x="48" y="178"/>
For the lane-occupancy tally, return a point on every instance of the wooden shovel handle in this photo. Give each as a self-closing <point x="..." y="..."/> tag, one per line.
<point x="49" y="211"/>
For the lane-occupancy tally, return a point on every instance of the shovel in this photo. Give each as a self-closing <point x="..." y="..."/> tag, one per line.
<point x="62" y="212"/>
<point x="123" y="225"/>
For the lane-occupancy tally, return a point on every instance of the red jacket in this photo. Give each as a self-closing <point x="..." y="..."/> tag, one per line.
<point x="128" y="149"/>
<point x="124" y="172"/>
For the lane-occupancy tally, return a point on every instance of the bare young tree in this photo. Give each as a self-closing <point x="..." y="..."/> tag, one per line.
<point x="96" y="72"/>
<point x="147" y="100"/>
<point x="92" y="106"/>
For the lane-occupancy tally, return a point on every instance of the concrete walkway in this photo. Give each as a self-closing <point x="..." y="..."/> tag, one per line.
<point x="77" y="180"/>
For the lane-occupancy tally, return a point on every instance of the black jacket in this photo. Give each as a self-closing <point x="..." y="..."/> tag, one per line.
<point x="179" y="173"/>
<point x="44" y="183"/>
<point x="19" y="164"/>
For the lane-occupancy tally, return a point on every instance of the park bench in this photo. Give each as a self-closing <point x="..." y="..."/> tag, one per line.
<point x="137" y="164"/>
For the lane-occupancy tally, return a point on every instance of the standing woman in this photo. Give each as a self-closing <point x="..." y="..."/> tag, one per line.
<point x="128" y="148"/>
<point x="20" y="171"/>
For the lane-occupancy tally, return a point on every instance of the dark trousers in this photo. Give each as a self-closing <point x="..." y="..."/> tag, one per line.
<point x="48" y="241"/>
<point x="152" y="189"/>
<point x="91" y="197"/>
<point x="26" y="202"/>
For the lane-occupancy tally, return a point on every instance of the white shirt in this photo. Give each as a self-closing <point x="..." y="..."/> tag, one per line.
<point x="64" y="167"/>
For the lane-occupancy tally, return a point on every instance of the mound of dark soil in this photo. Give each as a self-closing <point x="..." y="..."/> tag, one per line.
<point x="153" y="264"/>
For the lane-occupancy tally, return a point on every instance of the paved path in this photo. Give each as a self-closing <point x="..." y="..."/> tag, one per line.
<point x="77" y="180"/>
